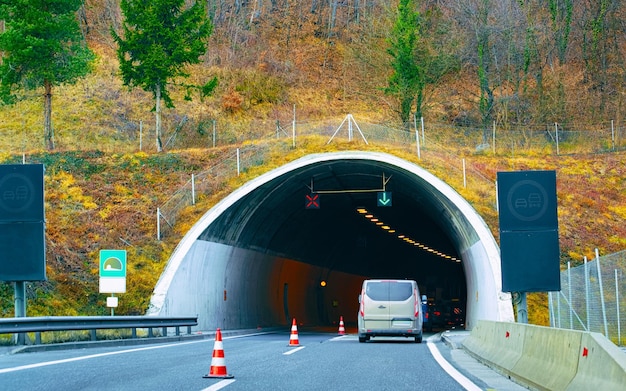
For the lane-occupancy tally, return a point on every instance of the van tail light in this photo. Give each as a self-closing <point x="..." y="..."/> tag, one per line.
<point x="362" y="306"/>
<point x="417" y="303"/>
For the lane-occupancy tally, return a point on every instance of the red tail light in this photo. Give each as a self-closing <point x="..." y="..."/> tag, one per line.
<point x="417" y="303"/>
<point x="362" y="306"/>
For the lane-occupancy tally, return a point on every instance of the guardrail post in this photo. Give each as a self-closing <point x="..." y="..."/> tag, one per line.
<point x="133" y="332"/>
<point x="164" y="331"/>
<point x="93" y="334"/>
<point x="38" y="338"/>
<point x="150" y="333"/>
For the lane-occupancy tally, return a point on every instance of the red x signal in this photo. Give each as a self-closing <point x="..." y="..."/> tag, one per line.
<point x="312" y="201"/>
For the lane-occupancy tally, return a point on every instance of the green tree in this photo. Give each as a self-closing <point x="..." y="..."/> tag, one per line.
<point x="406" y="80"/>
<point x="419" y="57"/>
<point x="41" y="46"/>
<point x="160" y="38"/>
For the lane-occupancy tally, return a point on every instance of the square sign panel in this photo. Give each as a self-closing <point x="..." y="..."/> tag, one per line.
<point x="530" y="261"/>
<point x="527" y="200"/>
<point x="22" y="252"/>
<point x="21" y="192"/>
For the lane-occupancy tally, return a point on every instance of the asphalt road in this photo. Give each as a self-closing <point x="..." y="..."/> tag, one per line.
<point x="262" y="361"/>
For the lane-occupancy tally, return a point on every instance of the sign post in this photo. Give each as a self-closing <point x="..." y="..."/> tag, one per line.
<point x="112" y="274"/>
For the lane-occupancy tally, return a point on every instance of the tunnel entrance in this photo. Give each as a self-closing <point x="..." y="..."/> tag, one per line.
<point x="279" y="259"/>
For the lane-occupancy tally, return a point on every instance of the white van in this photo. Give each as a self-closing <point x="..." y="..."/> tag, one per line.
<point x="390" y="308"/>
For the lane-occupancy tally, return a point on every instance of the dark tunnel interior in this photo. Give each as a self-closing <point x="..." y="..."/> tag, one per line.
<point x="350" y="232"/>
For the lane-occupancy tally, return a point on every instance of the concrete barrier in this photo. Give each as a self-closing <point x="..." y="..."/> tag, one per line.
<point x="548" y="358"/>
<point x="499" y="343"/>
<point x="601" y="365"/>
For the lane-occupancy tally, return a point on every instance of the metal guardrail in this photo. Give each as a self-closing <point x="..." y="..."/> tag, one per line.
<point x="93" y="323"/>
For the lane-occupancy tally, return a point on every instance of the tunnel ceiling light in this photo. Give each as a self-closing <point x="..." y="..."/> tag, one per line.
<point x="376" y="221"/>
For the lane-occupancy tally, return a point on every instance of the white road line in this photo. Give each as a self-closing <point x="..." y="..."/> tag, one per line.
<point x="220" y="385"/>
<point x="456" y="375"/>
<point x="340" y="337"/>
<point x="47" y="363"/>
<point x="292" y="351"/>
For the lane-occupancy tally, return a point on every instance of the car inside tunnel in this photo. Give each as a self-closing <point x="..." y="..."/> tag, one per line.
<point x="269" y="254"/>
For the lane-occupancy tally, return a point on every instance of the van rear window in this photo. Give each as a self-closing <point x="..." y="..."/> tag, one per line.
<point x="389" y="290"/>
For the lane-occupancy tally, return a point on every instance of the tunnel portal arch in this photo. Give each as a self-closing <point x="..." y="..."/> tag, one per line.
<point x="256" y="258"/>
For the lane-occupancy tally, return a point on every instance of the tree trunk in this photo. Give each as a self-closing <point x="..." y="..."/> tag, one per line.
<point x="47" y="116"/>
<point x="157" y="114"/>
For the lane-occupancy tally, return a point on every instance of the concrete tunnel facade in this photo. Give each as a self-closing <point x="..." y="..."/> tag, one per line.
<point x="257" y="257"/>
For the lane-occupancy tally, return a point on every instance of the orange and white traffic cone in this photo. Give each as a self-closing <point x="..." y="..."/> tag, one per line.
<point x="218" y="364"/>
<point x="293" y="338"/>
<point x="342" y="329"/>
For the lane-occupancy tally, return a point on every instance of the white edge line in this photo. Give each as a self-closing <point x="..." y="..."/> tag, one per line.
<point x="220" y="385"/>
<point x="292" y="351"/>
<point x="456" y="375"/>
<point x="160" y="346"/>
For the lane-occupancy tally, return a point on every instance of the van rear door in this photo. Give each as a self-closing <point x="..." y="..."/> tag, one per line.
<point x="376" y="305"/>
<point x="402" y="302"/>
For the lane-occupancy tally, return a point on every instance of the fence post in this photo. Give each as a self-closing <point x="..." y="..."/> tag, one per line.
<point x="193" y="189"/>
<point x="569" y="294"/>
<point x="293" y="128"/>
<point x="214" y="133"/>
<point x="493" y="138"/>
<point x="158" y="223"/>
<point x="417" y="136"/>
<point x="423" y="136"/>
<point x="612" y="135"/>
<point x="558" y="310"/>
<point x="551" y="310"/>
<point x="238" y="163"/>
<point x="619" y="326"/>
<point x="556" y="128"/>
<point x="606" y="326"/>
<point x="587" y="292"/>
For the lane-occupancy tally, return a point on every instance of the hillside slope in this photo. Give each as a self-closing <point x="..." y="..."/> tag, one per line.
<point x="97" y="200"/>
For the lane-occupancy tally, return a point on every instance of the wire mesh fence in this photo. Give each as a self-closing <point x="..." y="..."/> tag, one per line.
<point x="593" y="297"/>
<point x="426" y="140"/>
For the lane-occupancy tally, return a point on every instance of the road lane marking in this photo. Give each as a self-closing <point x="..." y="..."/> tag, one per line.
<point x="292" y="351"/>
<point x="67" y="360"/>
<point x="456" y="375"/>
<point x="47" y="363"/>
<point x="220" y="385"/>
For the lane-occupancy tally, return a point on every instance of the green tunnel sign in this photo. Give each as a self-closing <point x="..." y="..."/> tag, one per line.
<point x="112" y="263"/>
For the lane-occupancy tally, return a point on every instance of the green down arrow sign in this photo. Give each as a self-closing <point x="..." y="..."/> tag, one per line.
<point x="383" y="198"/>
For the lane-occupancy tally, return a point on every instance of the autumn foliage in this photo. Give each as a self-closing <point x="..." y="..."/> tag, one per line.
<point x="287" y="62"/>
